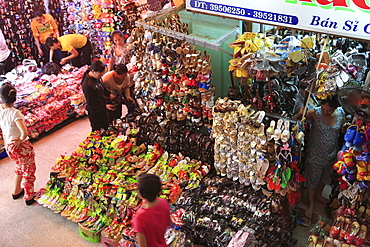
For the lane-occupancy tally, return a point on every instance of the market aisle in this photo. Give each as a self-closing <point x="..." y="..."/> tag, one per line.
<point x="36" y="226"/>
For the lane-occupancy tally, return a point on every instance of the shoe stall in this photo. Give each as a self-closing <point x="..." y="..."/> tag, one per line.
<point x="216" y="125"/>
<point x="46" y="100"/>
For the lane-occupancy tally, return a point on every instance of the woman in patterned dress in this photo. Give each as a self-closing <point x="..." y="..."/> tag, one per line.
<point x="118" y="52"/>
<point x="327" y="121"/>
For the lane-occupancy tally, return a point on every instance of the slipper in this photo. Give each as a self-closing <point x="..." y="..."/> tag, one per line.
<point x="304" y="221"/>
<point x="270" y="130"/>
<point x="277" y="132"/>
<point x="285" y="177"/>
<point x="286" y="132"/>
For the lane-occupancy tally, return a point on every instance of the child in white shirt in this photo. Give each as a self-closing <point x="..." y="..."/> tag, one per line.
<point x="17" y="145"/>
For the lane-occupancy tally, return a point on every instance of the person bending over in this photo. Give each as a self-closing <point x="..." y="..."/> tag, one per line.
<point x="118" y="83"/>
<point x="44" y="26"/>
<point x="77" y="45"/>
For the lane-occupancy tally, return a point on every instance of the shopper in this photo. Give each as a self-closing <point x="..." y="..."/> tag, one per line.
<point x="153" y="218"/>
<point x="327" y="121"/>
<point x="17" y="145"/>
<point x="77" y="45"/>
<point x="95" y="94"/>
<point x="118" y="52"/>
<point x="6" y="63"/>
<point x="44" y="26"/>
<point x="118" y="83"/>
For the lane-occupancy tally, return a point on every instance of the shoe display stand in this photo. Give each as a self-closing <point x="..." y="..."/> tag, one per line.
<point x="48" y="100"/>
<point x="270" y="68"/>
<point x="96" y="185"/>
<point x="172" y="78"/>
<point x="15" y="23"/>
<point x="349" y="200"/>
<point x="209" y="34"/>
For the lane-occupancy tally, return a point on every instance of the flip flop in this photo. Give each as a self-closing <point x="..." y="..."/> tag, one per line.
<point x="277" y="132"/>
<point x="286" y="132"/>
<point x="270" y="130"/>
<point x="286" y="174"/>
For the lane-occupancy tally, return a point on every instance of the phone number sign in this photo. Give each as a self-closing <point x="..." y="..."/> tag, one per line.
<point x="337" y="17"/>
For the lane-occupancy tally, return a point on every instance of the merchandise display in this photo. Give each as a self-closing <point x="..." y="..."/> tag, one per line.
<point x="47" y="100"/>
<point x="270" y="68"/>
<point x="172" y="77"/>
<point x="96" y="185"/>
<point x="350" y="195"/>
<point x="15" y="24"/>
<point x="231" y="167"/>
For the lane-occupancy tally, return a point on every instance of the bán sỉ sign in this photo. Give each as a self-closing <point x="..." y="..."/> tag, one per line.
<point x="347" y="18"/>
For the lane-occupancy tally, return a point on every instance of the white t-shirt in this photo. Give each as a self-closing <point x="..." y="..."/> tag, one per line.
<point x="8" y="117"/>
<point x="4" y="50"/>
<point x="111" y="85"/>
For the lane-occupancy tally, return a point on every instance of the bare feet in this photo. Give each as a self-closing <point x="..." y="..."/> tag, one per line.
<point x="322" y="200"/>
<point x="309" y="212"/>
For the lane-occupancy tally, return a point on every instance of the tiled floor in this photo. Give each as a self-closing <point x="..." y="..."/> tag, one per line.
<point x="36" y="226"/>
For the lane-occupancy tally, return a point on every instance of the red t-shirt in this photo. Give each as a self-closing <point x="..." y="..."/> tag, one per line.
<point x="153" y="222"/>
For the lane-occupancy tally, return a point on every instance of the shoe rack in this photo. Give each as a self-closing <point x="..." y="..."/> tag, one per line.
<point x="15" y="24"/>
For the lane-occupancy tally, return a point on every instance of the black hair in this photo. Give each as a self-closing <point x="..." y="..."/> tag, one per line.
<point x="121" y="68"/>
<point x="8" y="93"/>
<point x="331" y="100"/>
<point x="50" y="41"/>
<point x="116" y="32"/>
<point x="97" y="66"/>
<point x="37" y="13"/>
<point x="149" y="186"/>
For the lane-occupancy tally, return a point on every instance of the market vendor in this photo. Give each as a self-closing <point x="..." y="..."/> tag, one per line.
<point x="44" y="26"/>
<point x="118" y="83"/>
<point x="6" y="63"/>
<point x="77" y="45"/>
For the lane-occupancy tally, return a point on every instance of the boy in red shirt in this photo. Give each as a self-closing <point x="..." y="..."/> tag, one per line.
<point x="153" y="218"/>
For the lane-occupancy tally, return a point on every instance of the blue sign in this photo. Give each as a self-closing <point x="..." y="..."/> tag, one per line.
<point x="244" y="12"/>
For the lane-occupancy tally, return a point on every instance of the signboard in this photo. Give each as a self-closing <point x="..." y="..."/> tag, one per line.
<point x="348" y="18"/>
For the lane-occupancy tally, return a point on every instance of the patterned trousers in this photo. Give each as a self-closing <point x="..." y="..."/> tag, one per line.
<point x="24" y="157"/>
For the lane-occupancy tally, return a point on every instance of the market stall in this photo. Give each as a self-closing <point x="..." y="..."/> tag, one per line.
<point x="47" y="100"/>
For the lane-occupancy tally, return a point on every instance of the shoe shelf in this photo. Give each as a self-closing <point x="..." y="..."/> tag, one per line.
<point x="15" y="19"/>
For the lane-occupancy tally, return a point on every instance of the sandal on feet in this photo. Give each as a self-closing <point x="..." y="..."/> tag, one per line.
<point x="30" y="201"/>
<point x="18" y="195"/>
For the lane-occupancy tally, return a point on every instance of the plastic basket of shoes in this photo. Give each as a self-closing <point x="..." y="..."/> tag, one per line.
<point x="90" y="235"/>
